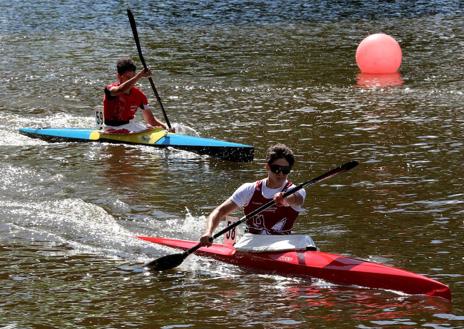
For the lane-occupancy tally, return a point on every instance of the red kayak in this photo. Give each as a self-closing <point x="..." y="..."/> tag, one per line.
<point x="333" y="268"/>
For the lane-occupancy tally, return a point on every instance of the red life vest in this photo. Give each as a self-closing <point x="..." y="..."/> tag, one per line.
<point x="120" y="109"/>
<point x="273" y="220"/>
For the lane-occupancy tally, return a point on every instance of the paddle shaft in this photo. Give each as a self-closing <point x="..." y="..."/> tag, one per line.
<point x="343" y="168"/>
<point x="171" y="261"/>
<point x="139" y="49"/>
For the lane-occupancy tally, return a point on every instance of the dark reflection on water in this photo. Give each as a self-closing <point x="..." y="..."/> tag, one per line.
<point x="253" y="72"/>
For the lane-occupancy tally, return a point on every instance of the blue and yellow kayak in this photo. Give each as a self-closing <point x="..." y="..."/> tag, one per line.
<point x="151" y="137"/>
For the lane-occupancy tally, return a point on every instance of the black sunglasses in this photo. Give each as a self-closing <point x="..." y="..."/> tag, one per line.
<point x="280" y="169"/>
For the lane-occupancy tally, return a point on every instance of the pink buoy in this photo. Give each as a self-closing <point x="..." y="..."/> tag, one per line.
<point x="379" y="53"/>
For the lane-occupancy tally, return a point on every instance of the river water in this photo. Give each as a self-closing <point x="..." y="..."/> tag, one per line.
<point x="256" y="72"/>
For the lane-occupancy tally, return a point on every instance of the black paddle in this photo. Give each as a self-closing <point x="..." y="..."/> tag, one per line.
<point x="171" y="261"/>
<point x="139" y="49"/>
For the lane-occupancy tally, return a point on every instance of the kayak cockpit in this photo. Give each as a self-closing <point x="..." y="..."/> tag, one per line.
<point x="254" y="243"/>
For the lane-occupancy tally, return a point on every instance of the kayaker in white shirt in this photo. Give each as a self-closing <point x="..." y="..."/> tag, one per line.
<point x="278" y="219"/>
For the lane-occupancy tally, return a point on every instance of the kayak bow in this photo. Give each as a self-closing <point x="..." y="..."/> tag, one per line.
<point x="333" y="268"/>
<point x="151" y="137"/>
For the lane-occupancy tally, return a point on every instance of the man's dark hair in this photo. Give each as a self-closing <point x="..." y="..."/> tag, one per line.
<point x="280" y="151"/>
<point x="124" y="65"/>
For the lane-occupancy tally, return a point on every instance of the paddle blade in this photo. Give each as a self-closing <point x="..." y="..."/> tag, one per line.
<point x="166" y="262"/>
<point x="349" y="165"/>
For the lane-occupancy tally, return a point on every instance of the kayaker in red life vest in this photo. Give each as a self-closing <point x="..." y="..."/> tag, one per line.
<point x="278" y="219"/>
<point x="122" y="99"/>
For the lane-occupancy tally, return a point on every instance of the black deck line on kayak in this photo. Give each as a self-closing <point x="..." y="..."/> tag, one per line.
<point x="234" y="154"/>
